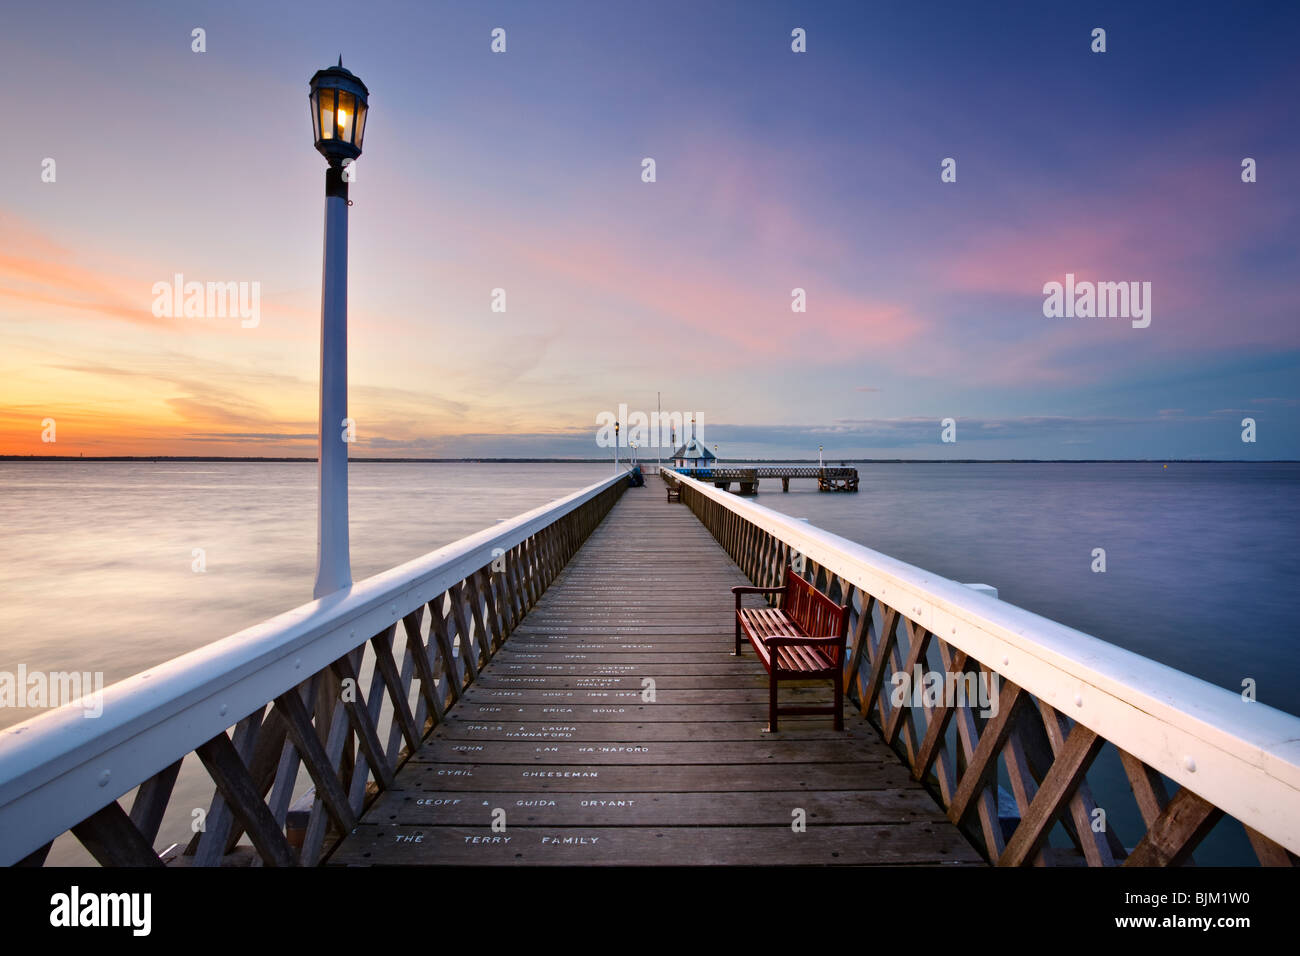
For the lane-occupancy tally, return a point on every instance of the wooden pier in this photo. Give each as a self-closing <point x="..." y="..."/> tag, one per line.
<point x="747" y="479"/>
<point x="558" y="688"/>
<point x="615" y="727"/>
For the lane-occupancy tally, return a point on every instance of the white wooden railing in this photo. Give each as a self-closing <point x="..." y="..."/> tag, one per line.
<point x="290" y="689"/>
<point x="1062" y="695"/>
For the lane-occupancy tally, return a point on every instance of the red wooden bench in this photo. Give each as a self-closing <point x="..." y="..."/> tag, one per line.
<point x="802" y="639"/>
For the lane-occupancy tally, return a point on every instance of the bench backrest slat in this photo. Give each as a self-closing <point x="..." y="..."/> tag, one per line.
<point x="813" y="611"/>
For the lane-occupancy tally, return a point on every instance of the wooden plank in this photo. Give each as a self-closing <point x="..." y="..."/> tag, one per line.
<point x="896" y="845"/>
<point x="387" y="667"/>
<point x="263" y="764"/>
<point x="1170" y="840"/>
<point x="616" y="712"/>
<point x="494" y="679"/>
<point x="884" y="648"/>
<point x="1268" y="852"/>
<point x="113" y="839"/>
<point x="423" y="655"/>
<point x="328" y="788"/>
<point x="1148" y="787"/>
<point x="438" y="632"/>
<point x="359" y="785"/>
<point x="920" y="640"/>
<point x="983" y="761"/>
<point x="1099" y="848"/>
<point x="936" y="728"/>
<point x="228" y="772"/>
<point x="648" y="808"/>
<point x="363" y="725"/>
<point x="810" y="692"/>
<point x="643" y="751"/>
<point x="333" y="719"/>
<point x="656" y="777"/>
<point x="968" y="734"/>
<point x="219" y="824"/>
<point x="483" y="600"/>
<point x="469" y="653"/>
<point x="1060" y="784"/>
<point x="151" y="801"/>
<point x="541" y="731"/>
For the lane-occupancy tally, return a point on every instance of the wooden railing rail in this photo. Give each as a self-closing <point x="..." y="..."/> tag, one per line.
<point x="1015" y="774"/>
<point x="345" y="688"/>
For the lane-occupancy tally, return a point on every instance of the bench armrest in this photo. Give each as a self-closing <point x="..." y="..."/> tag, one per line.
<point x="748" y="589"/>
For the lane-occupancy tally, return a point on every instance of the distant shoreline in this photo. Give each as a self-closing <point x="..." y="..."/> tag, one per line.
<point x="829" y="463"/>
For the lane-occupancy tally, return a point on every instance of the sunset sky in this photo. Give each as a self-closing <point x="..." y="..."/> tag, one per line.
<point x="775" y="170"/>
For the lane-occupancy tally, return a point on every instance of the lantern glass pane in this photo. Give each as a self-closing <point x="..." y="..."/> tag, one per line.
<point x="345" y="116"/>
<point x="362" y="110"/>
<point x="325" y="114"/>
<point x="315" y="115"/>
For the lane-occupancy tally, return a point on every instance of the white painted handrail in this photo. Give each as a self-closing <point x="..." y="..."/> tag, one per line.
<point x="1242" y="756"/>
<point x="59" y="767"/>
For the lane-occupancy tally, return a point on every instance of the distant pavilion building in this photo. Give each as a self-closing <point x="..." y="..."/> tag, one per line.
<point x="693" y="455"/>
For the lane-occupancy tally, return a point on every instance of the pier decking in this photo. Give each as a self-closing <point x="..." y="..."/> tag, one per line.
<point x="591" y="763"/>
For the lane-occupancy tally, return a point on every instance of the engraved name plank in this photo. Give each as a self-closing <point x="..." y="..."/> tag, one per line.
<point x="895" y="845"/>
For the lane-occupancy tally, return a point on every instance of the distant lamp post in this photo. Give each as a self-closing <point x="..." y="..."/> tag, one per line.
<point x="339" y="102"/>
<point x="616" y="448"/>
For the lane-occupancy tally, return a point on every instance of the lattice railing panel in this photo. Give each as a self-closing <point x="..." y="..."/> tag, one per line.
<point x="344" y="730"/>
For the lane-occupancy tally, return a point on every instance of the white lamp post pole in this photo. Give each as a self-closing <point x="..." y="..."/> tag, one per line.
<point x="333" y="563"/>
<point x="339" y="102"/>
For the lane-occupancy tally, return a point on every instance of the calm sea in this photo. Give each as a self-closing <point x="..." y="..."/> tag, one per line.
<point x="97" y="560"/>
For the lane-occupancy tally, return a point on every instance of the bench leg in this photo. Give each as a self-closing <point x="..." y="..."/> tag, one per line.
<point x="771" y="699"/>
<point x="736" y="652"/>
